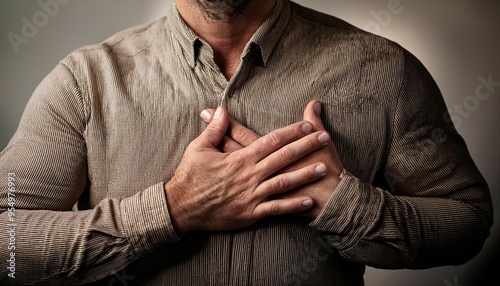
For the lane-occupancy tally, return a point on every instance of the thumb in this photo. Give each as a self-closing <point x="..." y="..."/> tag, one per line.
<point x="217" y="128"/>
<point x="312" y="114"/>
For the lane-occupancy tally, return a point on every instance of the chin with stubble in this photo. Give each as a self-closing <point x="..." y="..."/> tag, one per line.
<point x="223" y="10"/>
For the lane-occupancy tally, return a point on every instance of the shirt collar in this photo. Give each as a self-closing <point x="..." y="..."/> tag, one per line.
<point x="265" y="38"/>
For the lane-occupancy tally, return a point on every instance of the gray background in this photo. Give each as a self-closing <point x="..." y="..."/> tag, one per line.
<point x="457" y="41"/>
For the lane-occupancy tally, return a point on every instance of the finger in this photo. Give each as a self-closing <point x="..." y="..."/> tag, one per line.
<point x="275" y="140"/>
<point x="215" y="131"/>
<point x="228" y="145"/>
<point x="282" y="206"/>
<point x="241" y="134"/>
<point x="291" y="180"/>
<point x="312" y="113"/>
<point x="236" y="131"/>
<point x="207" y="114"/>
<point x="292" y="152"/>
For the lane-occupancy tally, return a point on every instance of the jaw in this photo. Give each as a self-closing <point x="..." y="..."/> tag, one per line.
<point x="222" y="10"/>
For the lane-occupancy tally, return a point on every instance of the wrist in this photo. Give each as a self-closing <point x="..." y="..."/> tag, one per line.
<point x="174" y="209"/>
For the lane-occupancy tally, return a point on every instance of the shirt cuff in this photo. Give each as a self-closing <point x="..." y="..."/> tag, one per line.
<point x="146" y="220"/>
<point x="349" y="212"/>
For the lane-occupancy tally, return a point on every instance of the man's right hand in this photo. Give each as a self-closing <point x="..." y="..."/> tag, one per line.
<point x="217" y="191"/>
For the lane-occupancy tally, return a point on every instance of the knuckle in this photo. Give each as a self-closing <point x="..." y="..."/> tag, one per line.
<point x="240" y="134"/>
<point x="309" y="143"/>
<point x="237" y="159"/>
<point x="215" y="130"/>
<point x="312" y="143"/>
<point x="309" y="175"/>
<point x="282" y="184"/>
<point x="275" y="139"/>
<point x="287" y="155"/>
<point x="274" y="209"/>
<point x="242" y="179"/>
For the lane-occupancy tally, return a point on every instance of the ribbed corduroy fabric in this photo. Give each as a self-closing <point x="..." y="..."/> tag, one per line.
<point x="108" y="126"/>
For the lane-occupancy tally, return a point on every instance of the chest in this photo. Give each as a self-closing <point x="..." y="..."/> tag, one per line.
<point x="138" y="133"/>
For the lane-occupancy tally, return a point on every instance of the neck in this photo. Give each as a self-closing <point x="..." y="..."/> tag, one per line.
<point x="227" y="38"/>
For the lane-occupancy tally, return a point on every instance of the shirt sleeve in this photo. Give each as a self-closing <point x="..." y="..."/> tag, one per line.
<point x="435" y="208"/>
<point x="43" y="173"/>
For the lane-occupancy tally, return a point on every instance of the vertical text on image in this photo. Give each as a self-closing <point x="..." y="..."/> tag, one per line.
<point x="11" y="224"/>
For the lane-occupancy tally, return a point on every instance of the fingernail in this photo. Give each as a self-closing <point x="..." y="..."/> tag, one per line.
<point x="320" y="169"/>
<point x="324" y="138"/>
<point x="206" y="115"/>
<point x="218" y="113"/>
<point x="317" y="108"/>
<point x="306" y="128"/>
<point x="307" y="204"/>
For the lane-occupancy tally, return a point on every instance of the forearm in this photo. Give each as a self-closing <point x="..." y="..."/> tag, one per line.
<point x="374" y="227"/>
<point x="73" y="248"/>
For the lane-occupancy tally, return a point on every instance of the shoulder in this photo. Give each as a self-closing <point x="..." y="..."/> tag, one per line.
<point x="330" y="31"/>
<point x="117" y="58"/>
<point x="128" y="43"/>
<point x="355" y="59"/>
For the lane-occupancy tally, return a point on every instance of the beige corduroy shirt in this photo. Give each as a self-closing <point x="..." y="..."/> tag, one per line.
<point x="108" y="126"/>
